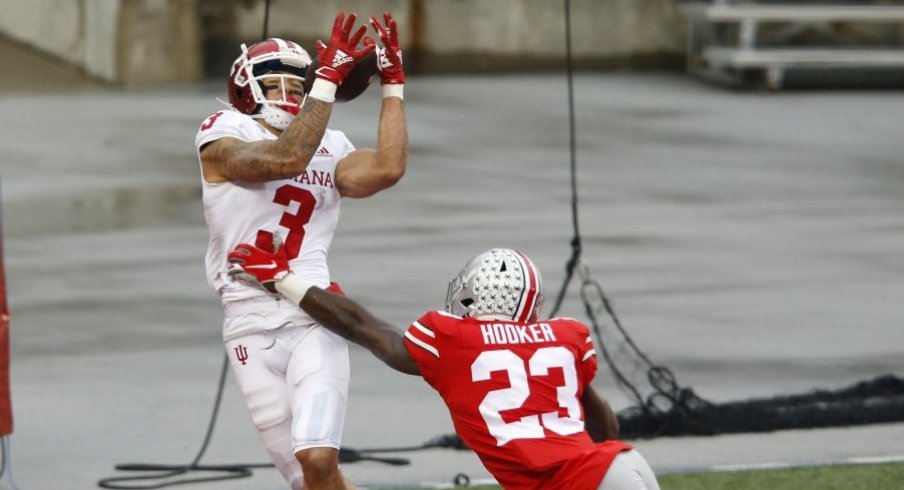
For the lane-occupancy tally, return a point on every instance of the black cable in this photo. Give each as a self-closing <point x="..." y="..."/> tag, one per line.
<point x="620" y="378"/>
<point x="449" y="441"/>
<point x="266" y="19"/>
<point x="170" y="471"/>
<point x="572" y="143"/>
<point x="240" y="470"/>
<point x="675" y="410"/>
<point x="660" y="377"/>
<point x="668" y="398"/>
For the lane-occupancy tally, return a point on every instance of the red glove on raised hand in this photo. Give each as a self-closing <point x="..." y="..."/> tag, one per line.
<point x="389" y="57"/>
<point x="259" y="266"/>
<point x="338" y="58"/>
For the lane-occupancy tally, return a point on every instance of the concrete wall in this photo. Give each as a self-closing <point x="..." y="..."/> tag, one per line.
<point x="148" y="41"/>
<point x="605" y="33"/>
<point x="79" y="32"/>
<point x="159" y="41"/>
<point x="125" y="41"/>
<point x="455" y="34"/>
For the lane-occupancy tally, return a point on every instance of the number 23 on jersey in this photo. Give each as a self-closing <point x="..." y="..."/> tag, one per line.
<point x="513" y="397"/>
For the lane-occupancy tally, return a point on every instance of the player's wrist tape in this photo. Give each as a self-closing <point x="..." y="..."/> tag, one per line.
<point x="293" y="288"/>
<point x="393" y="90"/>
<point x="324" y="90"/>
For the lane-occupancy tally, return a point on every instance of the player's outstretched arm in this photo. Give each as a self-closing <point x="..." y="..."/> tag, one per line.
<point x="230" y="159"/>
<point x="365" y="172"/>
<point x="599" y="419"/>
<point x="336" y="312"/>
<point x="347" y="318"/>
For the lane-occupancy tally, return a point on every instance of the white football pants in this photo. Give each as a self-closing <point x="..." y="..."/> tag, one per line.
<point x="294" y="379"/>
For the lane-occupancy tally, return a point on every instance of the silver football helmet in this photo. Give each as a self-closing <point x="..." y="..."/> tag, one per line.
<point x="501" y="283"/>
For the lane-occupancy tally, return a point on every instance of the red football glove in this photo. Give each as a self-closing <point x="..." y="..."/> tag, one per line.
<point x="257" y="265"/>
<point x="389" y="57"/>
<point x="338" y="58"/>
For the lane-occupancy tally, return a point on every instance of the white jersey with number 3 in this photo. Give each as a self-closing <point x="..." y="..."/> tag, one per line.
<point x="303" y="210"/>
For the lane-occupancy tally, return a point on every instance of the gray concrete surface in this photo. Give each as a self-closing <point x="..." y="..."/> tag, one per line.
<point x="750" y="241"/>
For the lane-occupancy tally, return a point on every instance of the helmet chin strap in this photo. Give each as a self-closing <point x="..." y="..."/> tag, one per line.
<point x="277" y="117"/>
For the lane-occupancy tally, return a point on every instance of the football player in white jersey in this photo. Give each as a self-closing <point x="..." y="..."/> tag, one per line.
<point x="270" y="163"/>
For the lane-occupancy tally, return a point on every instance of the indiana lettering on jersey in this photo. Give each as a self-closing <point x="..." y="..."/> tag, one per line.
<point x="508" y="333"/>
<point x="315" y="177"/>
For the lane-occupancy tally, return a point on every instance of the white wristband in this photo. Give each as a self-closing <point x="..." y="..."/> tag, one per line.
<point x="393" y="90"/>
<point x="293" y="288"/>
<point x="324" y="90"/>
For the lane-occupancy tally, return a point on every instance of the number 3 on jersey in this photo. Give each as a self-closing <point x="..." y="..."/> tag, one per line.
<point x="210" y="120"/>
<point x="295" y="223"/>
<point x="529" y="427"/>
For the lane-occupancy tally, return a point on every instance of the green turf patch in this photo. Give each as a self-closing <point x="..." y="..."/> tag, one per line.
<point x="842" y="477"/>
<point x="888" y="476"/>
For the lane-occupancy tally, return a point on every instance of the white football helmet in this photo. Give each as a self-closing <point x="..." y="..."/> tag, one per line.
<point x="272" y="57"/>
<point x="501" y="283"/>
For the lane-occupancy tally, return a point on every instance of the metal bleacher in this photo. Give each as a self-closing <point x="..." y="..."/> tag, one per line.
<point x="737" y="42"/>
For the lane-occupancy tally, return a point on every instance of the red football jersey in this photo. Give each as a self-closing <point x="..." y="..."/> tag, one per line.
<point x="514" y="393"/>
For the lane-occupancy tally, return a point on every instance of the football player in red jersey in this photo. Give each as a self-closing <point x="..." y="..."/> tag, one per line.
<point x="517" y="387"/>
<point x="271" y="163"/>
